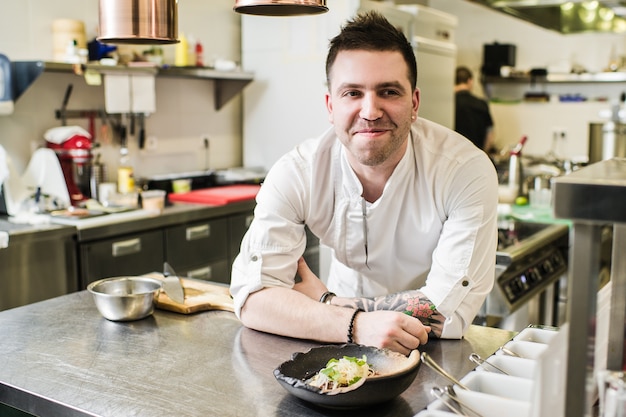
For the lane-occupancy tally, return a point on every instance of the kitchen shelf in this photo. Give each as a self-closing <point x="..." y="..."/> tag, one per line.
<point x="600" y="77"/>
<point x="512" y="86"/>
<point x="227" y="83"/>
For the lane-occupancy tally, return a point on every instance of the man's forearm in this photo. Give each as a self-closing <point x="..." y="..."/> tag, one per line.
<point x="290" y="313"/>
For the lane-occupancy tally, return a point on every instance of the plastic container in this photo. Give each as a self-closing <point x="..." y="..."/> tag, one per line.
<point x="153" y="200"/>
<point x="64" y="33"/>
<point x="181" y="185"/>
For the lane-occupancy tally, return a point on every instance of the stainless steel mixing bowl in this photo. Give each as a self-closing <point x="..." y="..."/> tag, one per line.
<point x="125" y="298"/>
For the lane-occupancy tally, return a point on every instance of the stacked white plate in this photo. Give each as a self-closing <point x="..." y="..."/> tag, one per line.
<point x="494" y="394"/>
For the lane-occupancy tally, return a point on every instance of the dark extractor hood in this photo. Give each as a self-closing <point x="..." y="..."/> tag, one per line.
<point x="574" y="16"/>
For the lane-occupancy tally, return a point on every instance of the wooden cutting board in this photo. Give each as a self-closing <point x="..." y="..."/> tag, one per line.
<point x="199" y="296"/>
<point x="218" y="195"/>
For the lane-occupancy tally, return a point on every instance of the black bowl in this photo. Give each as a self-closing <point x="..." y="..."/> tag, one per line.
<point x="395" y="373"/>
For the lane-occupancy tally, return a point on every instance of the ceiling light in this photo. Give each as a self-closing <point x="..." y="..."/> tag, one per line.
<point x="138" y="21"/>
<point x="280" y="7"/>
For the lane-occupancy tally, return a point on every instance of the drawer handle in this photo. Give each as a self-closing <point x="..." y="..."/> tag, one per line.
<point x="198" y="232"/>
<point x="126" y="247"/>
<point x="201" y="273"/>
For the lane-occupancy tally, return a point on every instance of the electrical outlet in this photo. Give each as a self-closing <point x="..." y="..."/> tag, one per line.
<point x="151" y="143"/>
<point x="559" y="133"/>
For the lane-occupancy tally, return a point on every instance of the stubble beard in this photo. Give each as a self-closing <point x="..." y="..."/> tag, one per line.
<point x="372" y="154"/>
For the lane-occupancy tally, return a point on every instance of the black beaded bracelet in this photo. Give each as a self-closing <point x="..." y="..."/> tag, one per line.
<point x="326" y="297"/>
<point x="351" y="325"/>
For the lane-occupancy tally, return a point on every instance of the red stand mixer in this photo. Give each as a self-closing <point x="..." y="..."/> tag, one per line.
<point x="75" y="157"/>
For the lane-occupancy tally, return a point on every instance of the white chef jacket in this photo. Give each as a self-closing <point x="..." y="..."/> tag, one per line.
<point x="434" y="228"/>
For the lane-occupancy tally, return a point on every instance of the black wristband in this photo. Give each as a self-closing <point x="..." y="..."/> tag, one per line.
<point x="351" y="325"/>
<point x="326" y="297"/>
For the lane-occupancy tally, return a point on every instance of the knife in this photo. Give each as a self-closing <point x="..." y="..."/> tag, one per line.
<point x="172" y="284"/>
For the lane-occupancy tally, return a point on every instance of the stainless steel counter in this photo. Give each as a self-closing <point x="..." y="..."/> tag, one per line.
<point x="171" y="215"/>
<point x="59" y="357"/>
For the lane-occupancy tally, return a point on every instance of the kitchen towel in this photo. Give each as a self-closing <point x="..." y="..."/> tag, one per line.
<point x="117" y="93"/>
<point x="143" y="96"/>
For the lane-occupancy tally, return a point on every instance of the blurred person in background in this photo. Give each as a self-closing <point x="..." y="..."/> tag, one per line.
<point x="472" y="116"/>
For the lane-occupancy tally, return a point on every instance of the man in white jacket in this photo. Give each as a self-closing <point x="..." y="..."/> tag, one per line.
<point x="408" y="207"/>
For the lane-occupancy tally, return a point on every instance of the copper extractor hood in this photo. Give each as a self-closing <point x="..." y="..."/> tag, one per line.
<point x="138" y="21"/>
<point x="280" y="7"/>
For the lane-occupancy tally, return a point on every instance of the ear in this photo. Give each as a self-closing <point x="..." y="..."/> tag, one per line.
<point x="329" y="107"/>
<point x="416" y="101"/>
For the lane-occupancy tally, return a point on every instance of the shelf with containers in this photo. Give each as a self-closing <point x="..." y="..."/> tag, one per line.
<point x="228" y="83"/>
<point x="568" y="86"/>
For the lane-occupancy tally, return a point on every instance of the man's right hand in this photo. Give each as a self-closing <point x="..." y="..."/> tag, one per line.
<point x="390" y="329"/>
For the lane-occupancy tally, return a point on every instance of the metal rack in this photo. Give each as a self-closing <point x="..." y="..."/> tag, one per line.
<point x="592" y="197"/>
<point x="228" y="83"/>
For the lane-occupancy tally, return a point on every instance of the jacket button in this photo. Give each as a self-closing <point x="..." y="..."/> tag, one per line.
<point x="254" y="258"/>
<point x="465" y="283"/>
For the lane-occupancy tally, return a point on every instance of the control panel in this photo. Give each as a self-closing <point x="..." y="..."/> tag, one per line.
<point x="532" y="275"/>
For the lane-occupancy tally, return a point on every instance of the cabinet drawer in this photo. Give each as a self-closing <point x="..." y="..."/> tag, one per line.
<point x="196" y="243"/>
<point x="125" y="255"/>
<point x="217" y="271"/>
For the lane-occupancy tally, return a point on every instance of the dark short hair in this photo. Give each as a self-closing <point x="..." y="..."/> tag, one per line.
<point x="372" y="32"/>
<point x="463" y="75"/>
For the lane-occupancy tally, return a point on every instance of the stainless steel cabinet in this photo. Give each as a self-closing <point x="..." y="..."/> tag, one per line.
<point x="36" y="265"/>
<point x="131" y="254"/>
<point x="199" y="250"/>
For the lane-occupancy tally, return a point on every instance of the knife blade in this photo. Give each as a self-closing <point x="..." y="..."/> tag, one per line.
<point x="172" y="284"/>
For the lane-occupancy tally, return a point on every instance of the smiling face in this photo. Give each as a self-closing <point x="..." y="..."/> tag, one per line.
<point x="372" y="104"/>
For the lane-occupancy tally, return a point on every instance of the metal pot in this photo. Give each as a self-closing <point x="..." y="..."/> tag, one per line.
<point x="606" y="140"/>
<point x="280" y="7"/>
<point x="138" y="21"/>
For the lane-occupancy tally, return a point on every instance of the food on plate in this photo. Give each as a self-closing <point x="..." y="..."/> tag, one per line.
<point x="342" y="375"/>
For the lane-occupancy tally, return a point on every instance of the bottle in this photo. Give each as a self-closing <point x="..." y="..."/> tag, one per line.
<point x="125" y="178"/>
<point x="71" y="52"/>
<point x="515" y="167"/>
<point x="180" y="59"/>
<point x="199" y="57"/>
<point x="125" y="174"/>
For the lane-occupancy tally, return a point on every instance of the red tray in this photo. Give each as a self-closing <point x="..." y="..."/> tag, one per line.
<point x="218" y="195"/>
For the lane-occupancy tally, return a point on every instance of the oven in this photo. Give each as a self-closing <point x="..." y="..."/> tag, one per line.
<point x="530" y="278"/>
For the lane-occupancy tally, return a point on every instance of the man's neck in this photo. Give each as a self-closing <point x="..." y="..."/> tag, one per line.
<point x="462" y="87"/>
<point x="374" y="178"/>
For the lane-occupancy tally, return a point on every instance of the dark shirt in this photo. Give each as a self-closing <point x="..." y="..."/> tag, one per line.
<point x="472" y="118"/>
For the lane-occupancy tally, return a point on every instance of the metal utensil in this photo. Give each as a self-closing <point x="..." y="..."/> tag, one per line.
<point x="448" y="397"/>
<point x="509" y="352"/>
<point x="435" y="367"/>
<point x="172" y="285"/>
<point x="475" y="357"/>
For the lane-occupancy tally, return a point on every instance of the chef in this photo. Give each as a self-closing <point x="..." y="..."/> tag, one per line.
<point x="407" y="206"/>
